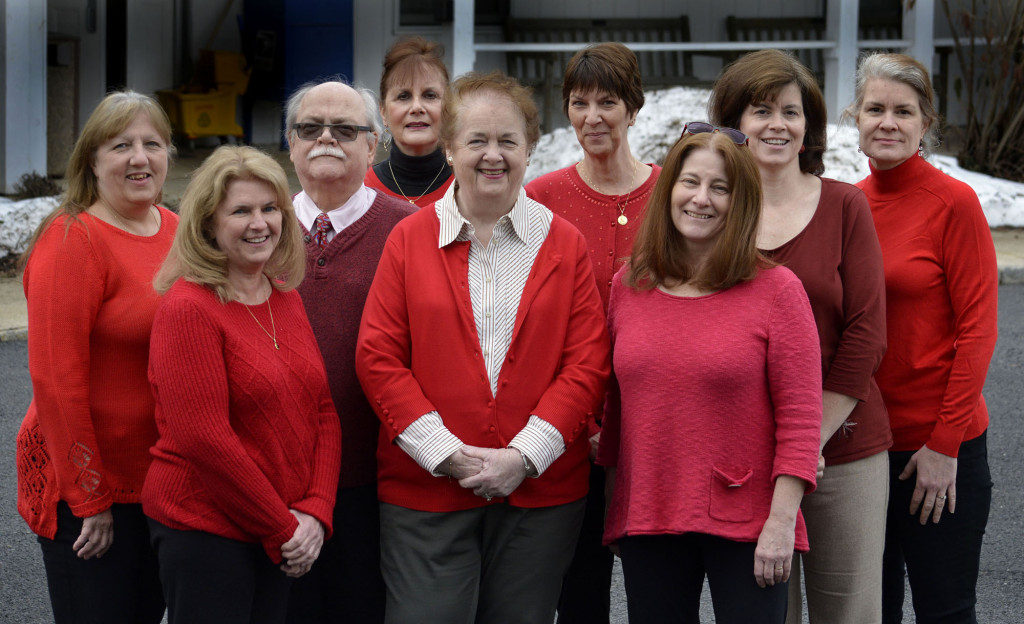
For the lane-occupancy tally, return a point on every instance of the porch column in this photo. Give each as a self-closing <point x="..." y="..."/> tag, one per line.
<point x="841" y="61"/>
<point x="22" y="90"/>
<point x="919" y="29"/>
<point x="463" y="54"/>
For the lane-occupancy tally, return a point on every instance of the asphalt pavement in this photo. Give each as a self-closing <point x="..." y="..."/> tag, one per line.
<point x="23" y="597"/>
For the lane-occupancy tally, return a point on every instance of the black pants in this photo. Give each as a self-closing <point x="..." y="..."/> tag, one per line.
<point x="941" y="560"/>
<point x="664" y="577"/>
<point x="587" y="586"/>
<point x="345" y="584"/>
<point x="120" y="587"/>
<point x="216" y="580"/>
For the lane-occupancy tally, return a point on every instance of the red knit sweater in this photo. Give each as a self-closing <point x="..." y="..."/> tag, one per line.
<point x="86" y="437"/>
<point x="941" y="291"/>
<point x="712" y="399"/>
<point x="418" y="352"/>
<point x="247" y="432"/>
<point x="333" y="293"/>
<point x="595" y="215"/>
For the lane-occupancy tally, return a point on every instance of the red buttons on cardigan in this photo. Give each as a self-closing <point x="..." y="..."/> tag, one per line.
<point x="321" y="261"/>
<point x="491" y="428"/>
<point x="490" y="404"/>
<point x="611" y="252"/>
<point x="504" y="382"/>
<point x="386" y="412"/>
<point x="391" y="421"/>
<point x="511" y="358"/>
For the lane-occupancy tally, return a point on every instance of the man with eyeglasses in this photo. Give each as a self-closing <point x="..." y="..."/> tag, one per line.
<point x="332" y="131"/>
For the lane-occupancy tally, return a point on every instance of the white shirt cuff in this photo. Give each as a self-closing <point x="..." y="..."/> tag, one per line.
<point x="429" y="443"/>
<point x="540" y="442"/>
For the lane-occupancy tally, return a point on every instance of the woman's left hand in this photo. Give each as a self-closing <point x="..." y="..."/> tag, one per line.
<point x="302" y="550"/>
<point x="936" y="483"/>
<point x="773" y="557"/>
<point x="502" y="473"/>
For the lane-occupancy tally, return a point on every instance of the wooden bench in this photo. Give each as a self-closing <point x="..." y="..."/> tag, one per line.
<point x="544" y="70"/>
<point x="781" y="29"/>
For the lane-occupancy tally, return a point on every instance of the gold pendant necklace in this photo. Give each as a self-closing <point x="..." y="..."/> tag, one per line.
<point x="623" y="219"/>
<point x="272" y="326"/>
<point x="413" y="201"/>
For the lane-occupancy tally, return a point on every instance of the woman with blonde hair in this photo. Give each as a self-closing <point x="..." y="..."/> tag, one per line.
<point x="711" y="425"/>
<point x="241" y="489"/>
<point x="83" y="448"/>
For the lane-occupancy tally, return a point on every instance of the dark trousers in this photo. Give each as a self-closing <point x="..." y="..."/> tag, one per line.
<point x="664" y="577"/>
<point x="495" y="564"/>
<point x="587" y="586"/>
<point x="120" y="587"/>
<point x="216" y="580"/>
<point x="941" y="560"/>
<point x="345" y="584"/>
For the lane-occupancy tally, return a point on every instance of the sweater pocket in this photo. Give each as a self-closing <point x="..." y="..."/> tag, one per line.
<point x="730" y="499"/>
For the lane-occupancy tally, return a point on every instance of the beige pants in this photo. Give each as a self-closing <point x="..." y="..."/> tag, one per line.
<point x="842" y="573"/>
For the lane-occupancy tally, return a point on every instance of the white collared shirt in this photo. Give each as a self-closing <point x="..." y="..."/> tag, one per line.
<point x="497" y="276"/>
<point x="341" y="217"/>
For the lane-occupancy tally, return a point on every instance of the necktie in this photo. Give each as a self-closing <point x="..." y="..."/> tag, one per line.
<point x="322" y="226"/>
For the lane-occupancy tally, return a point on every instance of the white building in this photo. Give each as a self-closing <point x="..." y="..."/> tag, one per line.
<point x="61" y="56"/>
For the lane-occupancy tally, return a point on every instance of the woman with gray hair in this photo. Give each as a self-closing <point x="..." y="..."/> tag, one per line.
<point x="941" y="289"/>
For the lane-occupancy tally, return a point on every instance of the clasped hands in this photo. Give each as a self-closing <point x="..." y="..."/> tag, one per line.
<point x="490" y="473"/>
<point x="302" y="550"/>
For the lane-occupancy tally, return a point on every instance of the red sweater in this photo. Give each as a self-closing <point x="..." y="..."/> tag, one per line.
<point x="712" y="399"/>
<point x="418" y="351"/>
<point x="941" y="290"/>
<point x="333" y="293"/>
<point x="838" y="260"/>
<point x="86" y="437"/>
<point x="247" y="432"/>
<point x="595" y="215"/>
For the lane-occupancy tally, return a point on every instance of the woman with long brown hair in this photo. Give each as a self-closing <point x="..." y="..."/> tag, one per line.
<point x="711" y="425"/>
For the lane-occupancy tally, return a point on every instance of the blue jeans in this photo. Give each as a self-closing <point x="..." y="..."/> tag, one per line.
<point x="941" y="560"/>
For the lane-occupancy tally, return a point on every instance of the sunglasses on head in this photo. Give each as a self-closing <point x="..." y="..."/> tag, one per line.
<point x="700" y="127"/>
<point x="343" y="133"/>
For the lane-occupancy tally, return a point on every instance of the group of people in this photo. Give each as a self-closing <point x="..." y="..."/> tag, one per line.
<point x="418" y="391"/>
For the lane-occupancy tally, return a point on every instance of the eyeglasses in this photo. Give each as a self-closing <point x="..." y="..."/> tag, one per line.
<point x="700" y="127"/>
<point x="343" y="133"/>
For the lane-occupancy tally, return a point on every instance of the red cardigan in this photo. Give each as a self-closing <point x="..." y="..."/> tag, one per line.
<point x="941" y="291"/>
<point x="418" y="351"/>
<point x="247" y="431"/>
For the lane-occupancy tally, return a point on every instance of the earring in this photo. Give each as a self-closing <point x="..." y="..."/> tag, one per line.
<point x="803" y="148"/>
<point x="859" y="150"/>
<point x="451" y="161"/>
<point x="920" y="148"/>
<point x="386" y="138"/>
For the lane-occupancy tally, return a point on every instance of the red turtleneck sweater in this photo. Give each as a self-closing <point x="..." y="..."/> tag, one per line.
<point x="941" y="289"/>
